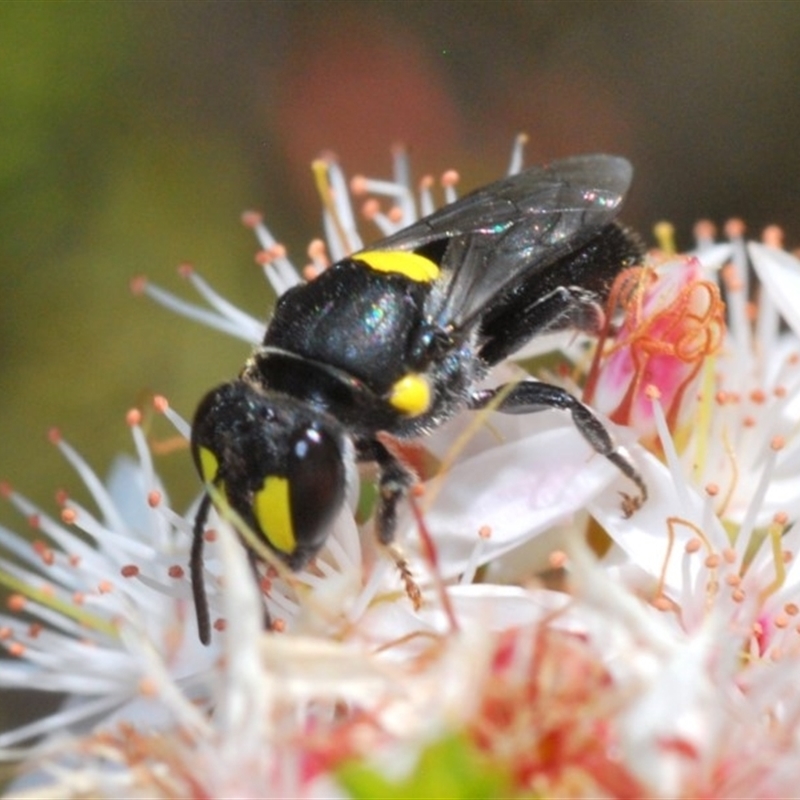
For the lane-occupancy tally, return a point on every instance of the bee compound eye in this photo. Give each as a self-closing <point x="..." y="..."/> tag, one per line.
<point x="316" y="474"/>
<point x="294" y="505"/>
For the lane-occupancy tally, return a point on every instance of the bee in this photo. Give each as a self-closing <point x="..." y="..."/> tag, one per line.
<point x="395" y="338"/>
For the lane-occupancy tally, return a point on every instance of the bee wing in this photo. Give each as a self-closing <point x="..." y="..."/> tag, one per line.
<point x="503" y="234"/>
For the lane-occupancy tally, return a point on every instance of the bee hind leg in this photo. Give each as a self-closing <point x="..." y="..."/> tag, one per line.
<point x="529" y="397"/>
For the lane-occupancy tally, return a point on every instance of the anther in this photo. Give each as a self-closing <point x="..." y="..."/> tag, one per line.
<point x="705" y="231"/>
<point x="359" y="185"/>
<point x="138" y="285"/>
<point x="16" y="602"/>
<point x="449" y="178"/>
<point x="662" y="603"/>
<point x="773" y="236"/>
<point x="370" y="209"/>
<point x="652" y="392"/>
<point x="251" y="219"/>
<point x="735" y="228"/>
<point x="160" y="403"/>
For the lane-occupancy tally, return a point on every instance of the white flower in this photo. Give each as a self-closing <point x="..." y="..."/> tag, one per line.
<point x="85" y="614"/>
<point x="666" y="670"/>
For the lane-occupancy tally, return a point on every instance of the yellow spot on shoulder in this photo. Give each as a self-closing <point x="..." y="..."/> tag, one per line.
<point x="412" y="265"/>
<point x="272" y="507"/>
<point x="208" y="465"/>
<point x="411" y="395"/>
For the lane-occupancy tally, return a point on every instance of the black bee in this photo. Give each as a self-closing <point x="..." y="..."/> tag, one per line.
<point x="394" y="339"/>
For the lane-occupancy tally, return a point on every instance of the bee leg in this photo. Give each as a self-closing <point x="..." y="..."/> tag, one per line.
<point x="196" y="572"/>
<point x="510" y="325"/>
<point x="393" y="485"/>
<point x="529" y="397"/>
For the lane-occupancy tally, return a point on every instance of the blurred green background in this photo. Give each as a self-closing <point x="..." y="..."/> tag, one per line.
<point x="132" y="135"/>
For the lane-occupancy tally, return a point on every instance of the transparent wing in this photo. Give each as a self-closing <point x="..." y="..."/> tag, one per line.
<point x="503" y="234"/>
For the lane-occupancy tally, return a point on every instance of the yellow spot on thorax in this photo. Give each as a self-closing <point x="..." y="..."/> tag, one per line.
<point x="414" y="266"/>
<point x="411" y="395"/>
<point x="272" y="507"/>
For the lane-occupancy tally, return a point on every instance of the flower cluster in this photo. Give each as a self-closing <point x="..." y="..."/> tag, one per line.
<point x="561" y="648"/>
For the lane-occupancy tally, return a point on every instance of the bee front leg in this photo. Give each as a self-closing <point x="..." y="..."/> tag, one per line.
<point x="395" y="479"/>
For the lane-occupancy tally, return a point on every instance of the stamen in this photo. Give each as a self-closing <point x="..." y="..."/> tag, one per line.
<point x="665" y="236"/>
<point x="474" y="561"/>
<point x="194" y="312"/>
<point x="162" y="406"/>
<point x="142" y="450"/>
<point x="742" y="537"/>
<point x="449" y="181"/>
<point x="517" y="154"/>
<point x="426" y="204"/>
<point x="318" y="253"/>
<point x="340" y="224"/>
<point x="736" y="281"/>
<point x="225" y="308"/>
<point x="774" y="534"/>
<point x="360" y="185"/>
<point x="372" y="211"/>
<point x="370" y="590"/>
<point x="91" y="481"/>
<point x="401" y="167"/>
<point x="429" y="549"/>
<point x="705" y="234"/>
<point x="280" y="273"/>
<point x="668" y="448"/>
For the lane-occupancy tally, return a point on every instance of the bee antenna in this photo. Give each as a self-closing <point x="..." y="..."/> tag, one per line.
<point x="196" y="571"/>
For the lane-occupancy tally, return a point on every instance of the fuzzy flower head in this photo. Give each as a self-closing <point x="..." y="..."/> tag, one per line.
<point x="96" y="595"/>
<point x="673" y="320"/>
<point x="667" y="669"/>
<point x="719" y="536"/>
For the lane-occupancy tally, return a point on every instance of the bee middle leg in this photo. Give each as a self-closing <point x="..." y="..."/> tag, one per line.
<point x="394" y="481"/>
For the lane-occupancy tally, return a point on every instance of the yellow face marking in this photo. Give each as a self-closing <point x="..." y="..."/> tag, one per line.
<point x="273" y="511"/>
<point x="208" y="465"/>
<point x="413" y="266"/>
<point x="411" y="395"/>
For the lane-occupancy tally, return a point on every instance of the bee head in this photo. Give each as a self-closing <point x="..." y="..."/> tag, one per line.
<point x="278" y="462"/>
